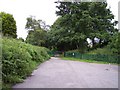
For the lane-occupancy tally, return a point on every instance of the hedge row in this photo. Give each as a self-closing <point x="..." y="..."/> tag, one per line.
<point x="19" y="59"/>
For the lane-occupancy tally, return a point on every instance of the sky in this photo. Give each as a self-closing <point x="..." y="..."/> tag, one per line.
<point x="41" y="9"/>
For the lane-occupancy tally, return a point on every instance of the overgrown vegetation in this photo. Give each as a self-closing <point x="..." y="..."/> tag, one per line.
<point x="77" y="22"/>
<point x="19" y="60"/>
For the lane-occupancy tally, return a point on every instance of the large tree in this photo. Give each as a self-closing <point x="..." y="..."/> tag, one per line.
<point x="8" y="25"/>
<point x="81" y="20"/>
<point x="37" y="37"/>
<point x="37" y="31"/>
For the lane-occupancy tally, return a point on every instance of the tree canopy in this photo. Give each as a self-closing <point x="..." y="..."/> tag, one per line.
<point x="8" y="25"/>
<point x="37" y="31"/>
<point x="114" y="44"/>
<point x="81" y="20"/>
<point x="33" y="24"/>
<point x="37" y="37"/>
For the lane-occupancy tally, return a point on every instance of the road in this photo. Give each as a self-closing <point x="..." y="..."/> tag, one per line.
<point x="57" y="73"/>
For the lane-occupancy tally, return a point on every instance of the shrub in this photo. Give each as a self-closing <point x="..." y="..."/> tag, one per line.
<point x="104" y="50"/>
<point x="19" y="59"/>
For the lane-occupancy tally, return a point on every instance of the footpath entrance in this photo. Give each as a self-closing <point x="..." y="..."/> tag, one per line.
<point x="55" y="53"/>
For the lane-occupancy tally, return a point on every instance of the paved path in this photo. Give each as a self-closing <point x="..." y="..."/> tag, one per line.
<point x="57" y="73"/>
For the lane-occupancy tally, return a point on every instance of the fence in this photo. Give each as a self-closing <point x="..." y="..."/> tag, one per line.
<point x="54" y="53"/>
<point x="96" y="57"/>
<point x="51" y="53"/>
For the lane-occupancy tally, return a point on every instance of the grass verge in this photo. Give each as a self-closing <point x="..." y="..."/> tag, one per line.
<point x="84" y="60"/>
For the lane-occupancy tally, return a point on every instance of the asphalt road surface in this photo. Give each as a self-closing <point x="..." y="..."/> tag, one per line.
<point x="57" y="73"/>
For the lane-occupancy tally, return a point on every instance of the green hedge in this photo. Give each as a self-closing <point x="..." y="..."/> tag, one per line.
<point x="20" y="59"/>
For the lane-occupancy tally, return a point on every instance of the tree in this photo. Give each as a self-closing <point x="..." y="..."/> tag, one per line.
<point x="37" y="31"/>
<point x="114" y="45"/>
<point x="33" y="24"/>
<point x="82" y="20"/>
<point x="8" y="25"/>
<point x="37" y="37"/>
<point x="102" y="26"/>
<point x="64" y="38"/>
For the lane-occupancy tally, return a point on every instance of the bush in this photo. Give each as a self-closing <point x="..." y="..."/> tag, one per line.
<point x="19" y="59"/>
<point x="104" y="50"/>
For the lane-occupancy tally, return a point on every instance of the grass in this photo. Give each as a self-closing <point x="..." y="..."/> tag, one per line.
<point x="84" y="60"/>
